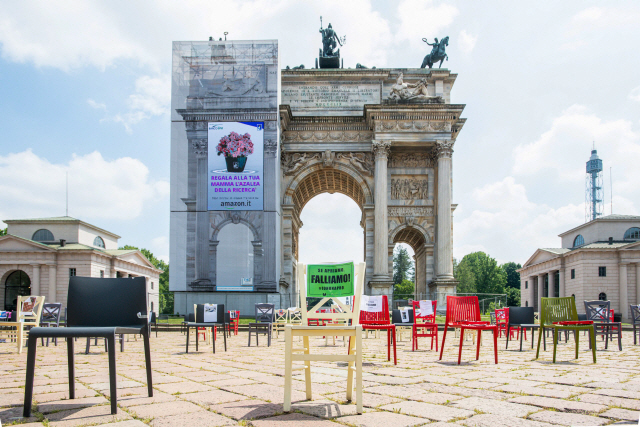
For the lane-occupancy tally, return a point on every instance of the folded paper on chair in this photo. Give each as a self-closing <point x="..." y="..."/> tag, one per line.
<point x="404" y="315"/>
<point x="371" y="304"/>
<point x="426" y="308"/>
<point x="210" y="313"/>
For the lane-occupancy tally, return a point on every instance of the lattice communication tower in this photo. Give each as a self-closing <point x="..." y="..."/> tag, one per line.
<point x="594" y="196"/>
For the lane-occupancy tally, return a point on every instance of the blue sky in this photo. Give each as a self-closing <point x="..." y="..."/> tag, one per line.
<point x="85" y="86"/>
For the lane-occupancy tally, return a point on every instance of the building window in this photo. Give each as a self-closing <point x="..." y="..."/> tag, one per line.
<point x="526" y="303"/>
<point x="17" y="284"/>
<point x="151" y="285"/>
<point x="526" y="284"/>
<point x="151" y="305"/>
<point x="602" y="296"/>
<point x="43" y="235"/>
<point x="102" y="273"/>
<point x="578" y="241"/>
<point x="602" y="271"/>
<point x="632" y="234"/>
<point x="98" y="242"/>
<point x="573" y="273"/>
<point x="72" y="272"/>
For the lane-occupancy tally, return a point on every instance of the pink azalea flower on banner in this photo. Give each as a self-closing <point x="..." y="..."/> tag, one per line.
<point x="235" y="145"/>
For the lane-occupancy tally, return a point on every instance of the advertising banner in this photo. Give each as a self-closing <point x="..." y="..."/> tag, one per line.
<point x="330" y="280"/>
<point x="235" y="166"/>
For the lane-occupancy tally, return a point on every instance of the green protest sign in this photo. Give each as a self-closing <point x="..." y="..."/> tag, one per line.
<point x="330" y="280"/>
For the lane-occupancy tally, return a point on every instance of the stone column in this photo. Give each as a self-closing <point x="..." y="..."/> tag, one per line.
<point x="552" y="284"/>
<point x="638" y="283"/>
<point x="269" y="279"/>
<point x="52" y="284"/>
<point x="624" y="295"/>
<point x="561" y="280"/>
<point x="380" y="263"/>
<point x="444" y="255"/>
<point x="540" y="290"/>
<point x="202" y="214"/>
<point x="35" y="282"/>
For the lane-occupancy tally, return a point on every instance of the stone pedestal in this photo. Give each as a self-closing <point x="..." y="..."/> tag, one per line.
<point x="439" y="289"/>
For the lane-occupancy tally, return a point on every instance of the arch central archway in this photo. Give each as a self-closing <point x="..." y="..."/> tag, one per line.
<point x="313" y="181"/>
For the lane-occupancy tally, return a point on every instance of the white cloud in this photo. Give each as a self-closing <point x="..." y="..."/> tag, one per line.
<point x="152" y="98"/>
<point x="634" y="95"/>
<point x="31" y="186"/>
<point x="466" y="41"/>
<point x="97" y="105"/>
<point x="423" y="19"/>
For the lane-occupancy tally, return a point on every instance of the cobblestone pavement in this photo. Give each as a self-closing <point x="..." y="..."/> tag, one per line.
<point x="244" y="386"/>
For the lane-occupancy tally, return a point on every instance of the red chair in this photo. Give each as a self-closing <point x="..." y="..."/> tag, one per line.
<point x="381" y="321"/>
<point x="502" y="321"/>
<point x="464" y="313"/>
<point x="234" y="321"/>
<point x="424" y="326"/>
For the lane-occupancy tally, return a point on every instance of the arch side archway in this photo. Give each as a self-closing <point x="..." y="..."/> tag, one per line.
<point x="420" y="240"/>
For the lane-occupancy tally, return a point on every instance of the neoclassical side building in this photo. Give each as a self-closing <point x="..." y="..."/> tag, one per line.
<point x="38" y="256"/>
<point x="597" y="260"/>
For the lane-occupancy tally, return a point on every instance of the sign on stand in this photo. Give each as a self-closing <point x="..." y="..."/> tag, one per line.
<point x="330" y="280"/>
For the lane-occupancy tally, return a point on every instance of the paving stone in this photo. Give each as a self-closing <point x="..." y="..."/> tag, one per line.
<point x="267" y="392"/>
<point x="213" y="397"/>
<point x="489" y="420"/>
<point x="369" y="400"/>
<point x="197" y="419"/>
<point x="129" y="423"/>
<point x="11" y="414"/>
<point x="164" y="409"/>
<point x="536" y="391"/>
<point x="568" y="419"/>
<point x="158" y="397"/>
<point x="298" y="420"/>
<point x="324" y="408"/>
<point x="611" y="401"/>
<point x="560" y="404"/>
<point x="621" y="414"/>
<point x="427" y="410"/>
<point x="91" y="416"/>
<point x="61" y="405"/>
<point x="495" y="407"/>
<point x="247" y="409"/>
<point x="618" y="393"/>
<point x="183" y="387"/>
<point x="383" y="419"/>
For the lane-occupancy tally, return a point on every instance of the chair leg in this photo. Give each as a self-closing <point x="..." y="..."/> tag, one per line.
<point x="288" y="368"/>
<point x="307" y="368"/>
<point x="444" y="337"/>
<point x="249" y="343"/>
<point x="147" y="361"/>
<point x="460" y="349"/>
<point x="495" y="346"/>
<point x="121" y="343"/>
<point x="113" y="391"/>
<point x="555" y="343"/>
<point x="522" y="332"/>
<point x="544" y="339"/>
<point x="620" y="338"/>
<point x="72" y="369"/>
<point x="28" y="386"/>
<point x="592" y="337"/>
<point x="540" y="334"/>
<point x="88" y="344"/>
<point x="225" y="340"/>
<point x="395" y="355"/>
<point x="388" y="345"/>
<point x="358" y="373"/>
<point x="478" y="344"/>
<point x="577" y="344"/>
<point x="187" y="328"/>
<point x="508" y="334"/>
<point x="214" y="340"/>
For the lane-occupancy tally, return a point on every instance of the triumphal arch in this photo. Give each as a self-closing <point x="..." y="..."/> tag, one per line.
<point x="252" y="144"/>
<point x="385" y="138"/>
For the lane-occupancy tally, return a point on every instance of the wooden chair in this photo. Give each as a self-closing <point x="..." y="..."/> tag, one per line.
<point x="281" y="319"/>
<point x="28" y="315"/>
<point x="50" y="318"/>
<point x="602" y="316"/>
<point x="464" y="313"/>
<point x="559" y="314"/>
<point x="424" y="325"/>
<point x="353" y="330"/>
<point x="265" y="314"/>
<point x="380" y="321"/>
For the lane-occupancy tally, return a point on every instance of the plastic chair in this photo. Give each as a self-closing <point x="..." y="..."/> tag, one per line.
<point x="521" y="318"/>
<point x="264" y="323"/>
<point x="634" y="310"/>
<point x="50" y="318"/>
<point x="501" y="321"/>
<point x="424" y="325"/>
<point x="26" y="317"/>
<point x="464" y="313"/>
<point x="559" y="314"/>
<point x="602" y="315"/>
<point x="201" y="323"/>
<point x="303" y="354"/>
<point x="281" y="319"/>
<point x="98" y="307"/>
<point x="234" y="321"/>
<point x="380" y="321"/>
<point x="402" y="324"/>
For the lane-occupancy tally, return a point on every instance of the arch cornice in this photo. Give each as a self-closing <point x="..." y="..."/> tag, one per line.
<point x="230" y="220"/>
<point x="426" y="235"/>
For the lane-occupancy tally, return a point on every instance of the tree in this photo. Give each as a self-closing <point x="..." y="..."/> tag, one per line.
<point x="403" y="290"/>
<point x="402" y="265"/>
<point x="513" y="277"/>
<point x="3" y="231"/>
<point x="166" y="297"/>
<point x="478" y="270"/>
<point x="513" y="297"/>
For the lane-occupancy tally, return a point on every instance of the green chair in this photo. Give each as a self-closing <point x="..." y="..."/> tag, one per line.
<point x="560" y="314"/>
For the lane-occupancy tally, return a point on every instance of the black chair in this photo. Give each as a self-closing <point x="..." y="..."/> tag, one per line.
<point x="523" y="318"/>
<point x="634" y="310"/>
<point x="102" y="308"/>
<point x="396" y="319"/>
<point x="600" y="312"/>
<point x="50" y="318"/>
<point x="265" y="316"/>
<point x="221" y="320"/>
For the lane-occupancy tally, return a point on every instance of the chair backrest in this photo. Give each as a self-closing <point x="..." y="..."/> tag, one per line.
<point x="634" y="310"/>
<point x="209" y="313"/>
<point x="29" y="309"/>
<point x="521" y="316"/>
<point x="191" y="317"/>
<point x="234" y="316"/>
<point x="396" y="316"/>
<point x="265" y="313"/>
<point x="492" y="318"/>
<point x="462" y="309"/>
<point x="347" y="314"/>
<point x="600" y="311"/>
<point x="419" y="317"/>
<point x="96" y="301"/>
<point x="561" y="309"/>
<point x="51" y="313"/>
<point x="376" y="317"/>
<point x="502" y="316"/>
<point x="282" y="316"/>
<point x="295" y="315"/>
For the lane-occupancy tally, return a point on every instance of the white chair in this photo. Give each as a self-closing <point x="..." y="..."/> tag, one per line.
<point x="28" y="315"/>
<point x="354" y="356"/>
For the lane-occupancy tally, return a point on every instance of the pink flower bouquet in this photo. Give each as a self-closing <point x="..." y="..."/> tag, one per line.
<point x="235" y="145"/>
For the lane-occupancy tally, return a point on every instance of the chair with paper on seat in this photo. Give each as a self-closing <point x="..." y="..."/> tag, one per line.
<point x="29" y="310"/>
<point x="209" y="316"/>
<point x="374" y="316"/>
<point x="403" y="319"/>
<point x="339" y="281"/>
<point x="102" y="308"/>
<point x="424" y="324"/>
